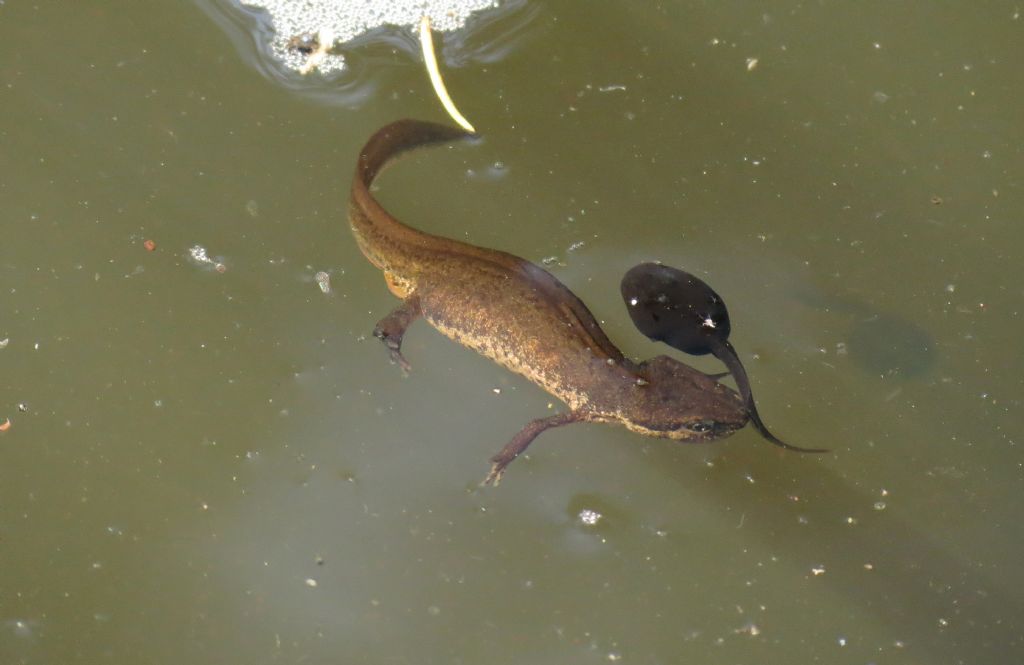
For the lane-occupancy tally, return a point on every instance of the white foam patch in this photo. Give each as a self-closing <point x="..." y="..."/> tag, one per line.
<point x="345" y="20"/>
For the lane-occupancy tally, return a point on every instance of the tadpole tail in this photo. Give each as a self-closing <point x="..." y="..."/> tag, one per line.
<point x="725" y="352"/>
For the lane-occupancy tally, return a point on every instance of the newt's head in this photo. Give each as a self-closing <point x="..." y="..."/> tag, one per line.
<point x="676" y="401"/>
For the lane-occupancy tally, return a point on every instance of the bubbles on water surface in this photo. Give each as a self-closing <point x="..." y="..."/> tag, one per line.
<point x="300" y="25"/>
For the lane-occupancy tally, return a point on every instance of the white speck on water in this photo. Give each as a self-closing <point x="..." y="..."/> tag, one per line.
<point x="633" y="301"/>
<point x="311" y="583"/>
<point x="751" y="629"/>
<point x="4" y="342"/>
<point x="818" y="570"/>
<point x="841" y="641"/>
<point x="879" y="505"/>
<point x="20" y="627"/>
<point x="751" y="64"/>
<point x="590" y="517"/>
<point x="880" y="97"/>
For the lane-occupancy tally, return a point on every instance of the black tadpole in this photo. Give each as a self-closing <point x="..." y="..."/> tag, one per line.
<point x="672" y="306"/>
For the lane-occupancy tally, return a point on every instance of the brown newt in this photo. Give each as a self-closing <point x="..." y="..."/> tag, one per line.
<point x="522" y="317"/>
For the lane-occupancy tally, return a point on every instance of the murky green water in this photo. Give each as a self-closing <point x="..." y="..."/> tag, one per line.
<point x="222" y="467"/>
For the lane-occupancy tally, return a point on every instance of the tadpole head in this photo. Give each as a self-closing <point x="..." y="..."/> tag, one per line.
<point x="672" y="306"/>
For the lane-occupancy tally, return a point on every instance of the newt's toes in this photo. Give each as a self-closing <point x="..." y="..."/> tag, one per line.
<point x="399" y="359"/>
<point x="494" y="477"/>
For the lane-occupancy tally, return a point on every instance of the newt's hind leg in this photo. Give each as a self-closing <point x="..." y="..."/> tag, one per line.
<point x="392" y="327"/>
<point x="521" y="441"/>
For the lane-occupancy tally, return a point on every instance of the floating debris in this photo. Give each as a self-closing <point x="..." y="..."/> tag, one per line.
<point x="306" y="43"/>
<point x="590" y="517"/>
<point x="198" y="254"/>
<point x="150" y="245"/>
<point x="323" y="280"/>
<point x="4" y="342"/>
<point x="5" y="425"/>
<point x="324" y="39"/>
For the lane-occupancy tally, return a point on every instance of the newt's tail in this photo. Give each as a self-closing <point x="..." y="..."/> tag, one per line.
<point x="400" y="136"/>
<point x="384" y="240"/>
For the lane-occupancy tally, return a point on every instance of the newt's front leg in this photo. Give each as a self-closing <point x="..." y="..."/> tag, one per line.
<point x="521" y="441"/>
<point x="391" y="328"/>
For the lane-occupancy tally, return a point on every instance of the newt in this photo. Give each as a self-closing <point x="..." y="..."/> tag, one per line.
<point x="519" y="315"/>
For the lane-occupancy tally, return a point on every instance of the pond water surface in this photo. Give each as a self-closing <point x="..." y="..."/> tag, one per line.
<point x="216" y="466"/>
